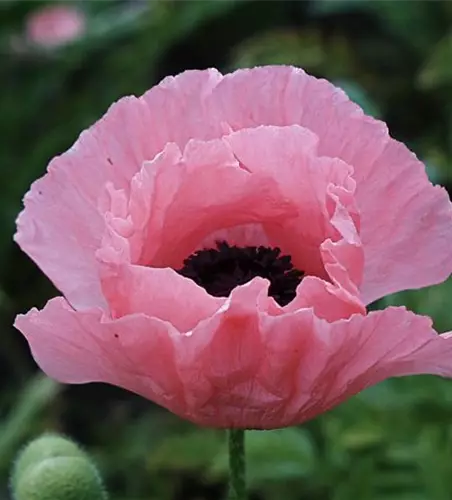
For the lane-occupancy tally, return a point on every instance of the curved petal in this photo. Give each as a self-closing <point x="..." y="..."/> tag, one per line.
<point x="391" y="183"/>
<point x="342" y="358"/>
<point x="61" y="227"/>
<point x="390" y="343"/>
<point x="262" y="371"/>
<point x="246" y="367"/>
<point x="240" y="361"/>
<point x="158" y="293"/>
<point x="134" y="352"/>
<point x="322" y="190"/>
<point x="327" y="301"/>
<point x="200" y="104"/>
<point x="175" y="203"/>
<point x="180" y="109"/>
<point x="242" y="367"/>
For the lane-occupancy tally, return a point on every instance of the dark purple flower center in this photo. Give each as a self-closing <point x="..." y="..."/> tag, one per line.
<point x="219" y="270"/>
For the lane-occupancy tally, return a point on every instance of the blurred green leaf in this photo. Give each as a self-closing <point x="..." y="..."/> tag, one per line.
<point x="116" y="21"/>
<point x="364" y="435"/>
<point x="434" y="463"/>
<point x="437" y="70"/>
<point x="280" y="47"/>
<point x="187" y="452"/>
<point x="416" y="21"/>
<point x="39" y="393"/>
<point x="323" y="7"/>
<point x="277" y="455"/>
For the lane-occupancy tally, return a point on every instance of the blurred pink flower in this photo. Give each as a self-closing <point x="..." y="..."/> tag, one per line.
<point x="55" y="25"/>
<point x="162" y="227"/>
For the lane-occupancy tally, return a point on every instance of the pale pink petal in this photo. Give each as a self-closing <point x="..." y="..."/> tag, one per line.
<point x="159" y="293"/>
<point x="321" y="188"/>
<point x="338" y="360"/>
<point x="133" y="289"/>
<point x="328" y="301"/>
<point x="200" y="104"/>
<point x="179" y="199"/>
<point x="181" y="111"/>
<point x="61" y="226"/>
<point x="270" y="154"/>
<point x="219" y="360"/>
<point x="392" y="186"/>
<point x="135" y="352"/>
<point x="242" y="366"/>
<point x="245" y="366"/>
<point x="175" y="204"/>
<point x="283" y="370"/>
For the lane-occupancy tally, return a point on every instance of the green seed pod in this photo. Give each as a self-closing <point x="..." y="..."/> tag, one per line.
<point x="55" y="468"/>
<point x="46" y="446"/>
<point x="60" y="478"/>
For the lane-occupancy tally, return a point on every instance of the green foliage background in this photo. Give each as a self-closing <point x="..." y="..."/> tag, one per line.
<point x="393" y="441"/>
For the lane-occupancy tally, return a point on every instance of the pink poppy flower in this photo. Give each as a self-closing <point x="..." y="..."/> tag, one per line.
<point x="217" y="241"/>
<point x="55" y="25"/>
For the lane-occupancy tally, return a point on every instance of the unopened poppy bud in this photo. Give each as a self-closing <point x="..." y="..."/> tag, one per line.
<point x="55" y="468"/>
<point x="40" y="449"/>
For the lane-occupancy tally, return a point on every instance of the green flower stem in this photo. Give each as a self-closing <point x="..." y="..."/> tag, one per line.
<point x="237" y="483"/>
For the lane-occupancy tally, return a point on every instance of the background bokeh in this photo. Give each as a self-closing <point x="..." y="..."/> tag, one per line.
<point x="394" y="58"/>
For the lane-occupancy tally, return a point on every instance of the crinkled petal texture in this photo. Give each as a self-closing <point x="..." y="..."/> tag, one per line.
<point x="242" y="366"/>
<point x="269" y="156"/>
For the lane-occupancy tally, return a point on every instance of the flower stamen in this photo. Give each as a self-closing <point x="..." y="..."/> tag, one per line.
<point x="219" y="270"/>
